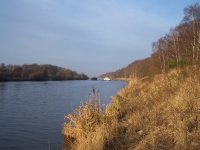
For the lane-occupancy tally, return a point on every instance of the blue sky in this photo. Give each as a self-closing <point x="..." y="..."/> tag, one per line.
<point x="90" y="36"/>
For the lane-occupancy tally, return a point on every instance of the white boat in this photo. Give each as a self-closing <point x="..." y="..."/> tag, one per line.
<point x="106" y="79"/>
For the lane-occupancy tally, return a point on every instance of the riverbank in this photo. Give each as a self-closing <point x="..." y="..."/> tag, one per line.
<point x="161" y="112"/>
<point x="35" y="72"/>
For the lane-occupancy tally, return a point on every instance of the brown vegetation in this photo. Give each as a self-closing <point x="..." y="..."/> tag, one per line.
<point x="151" y="113"/>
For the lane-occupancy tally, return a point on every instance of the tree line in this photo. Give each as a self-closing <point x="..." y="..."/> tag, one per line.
<point x="35" y="72"/>
<point x="177" y="49"/>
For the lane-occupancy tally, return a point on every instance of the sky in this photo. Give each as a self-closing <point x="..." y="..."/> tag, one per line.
<point x="87" y="36"/>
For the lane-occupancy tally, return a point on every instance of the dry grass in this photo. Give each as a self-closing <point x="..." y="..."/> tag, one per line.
<point x="159" y="113"/>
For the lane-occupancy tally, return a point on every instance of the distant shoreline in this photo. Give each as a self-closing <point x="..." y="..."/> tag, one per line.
<point x="35" y="72"/>
<point x="40" y="80"/>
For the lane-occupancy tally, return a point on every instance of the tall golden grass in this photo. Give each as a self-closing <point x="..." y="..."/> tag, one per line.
<point x="159" y="113"/>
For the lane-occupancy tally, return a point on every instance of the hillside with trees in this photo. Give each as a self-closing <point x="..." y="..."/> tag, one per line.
<point x="35" y="72"/>
<point x="177" y="49"/>
<point x="158" y="110"/>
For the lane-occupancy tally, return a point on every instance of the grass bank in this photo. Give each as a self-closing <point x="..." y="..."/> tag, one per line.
<point x="150" y="113"/>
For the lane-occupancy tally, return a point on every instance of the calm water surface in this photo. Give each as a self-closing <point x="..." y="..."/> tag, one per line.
<point x="31" y="113"/>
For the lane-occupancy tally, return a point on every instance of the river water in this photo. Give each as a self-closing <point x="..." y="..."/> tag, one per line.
<point x="32" y="113"/>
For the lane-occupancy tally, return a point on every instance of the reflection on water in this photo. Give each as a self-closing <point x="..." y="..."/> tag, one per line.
<point x="2" y="86"/>
<point x="31" y="113"/>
